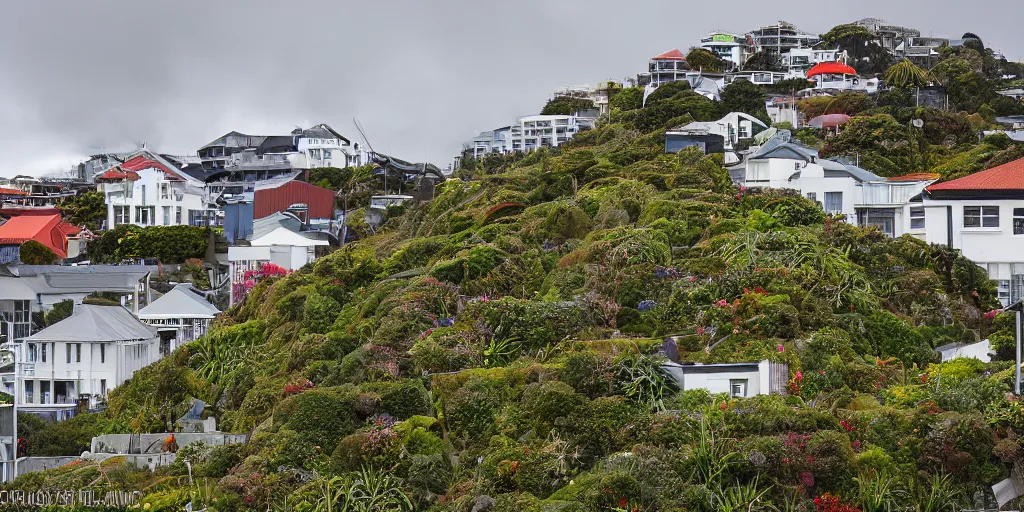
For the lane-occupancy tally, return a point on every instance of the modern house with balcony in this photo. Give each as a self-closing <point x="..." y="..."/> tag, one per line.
<point x="729" y="47"/>
<point x="779" y="38"/>
<point x="545" y="131"/>
<point x="829" y="77"/>
<point x="982" y="215"/>
<point x="149" y="190"/>
<point x="720" y="136"/>
<point x="79" y="359"/>
<point x="667" y="67"/>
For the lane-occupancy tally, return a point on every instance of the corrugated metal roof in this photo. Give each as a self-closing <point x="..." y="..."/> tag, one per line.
<point x="180" y="302"/>
<point x="41" y="228"/>
<point x="97" y="324"/>
<point x="319" y="200"/>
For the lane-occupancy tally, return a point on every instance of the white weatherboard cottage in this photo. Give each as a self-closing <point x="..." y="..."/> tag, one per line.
<point x="181" y="311"/>
<point x="735" y="379"/>
<point x="84" y="356"/>
<point x="982" y="215"/>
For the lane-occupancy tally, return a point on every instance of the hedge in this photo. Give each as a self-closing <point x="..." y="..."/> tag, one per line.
<point x="169" y="244"/>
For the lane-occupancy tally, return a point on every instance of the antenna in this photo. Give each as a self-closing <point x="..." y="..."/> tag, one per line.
<point x="362" y="134"/>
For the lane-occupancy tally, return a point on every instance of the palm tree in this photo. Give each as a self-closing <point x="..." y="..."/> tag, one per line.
<point x="905" y="75"/>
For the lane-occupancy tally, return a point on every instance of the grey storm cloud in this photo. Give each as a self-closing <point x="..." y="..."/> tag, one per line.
<point x="77" y="77"/>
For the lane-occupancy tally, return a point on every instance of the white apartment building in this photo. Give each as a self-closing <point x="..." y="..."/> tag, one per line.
<point x="148" y="190"/>
<point x="542" y="131"/>
<point x="798" y="60"/>
<point x="81" y="357"/>
<point x="982" y="215"/>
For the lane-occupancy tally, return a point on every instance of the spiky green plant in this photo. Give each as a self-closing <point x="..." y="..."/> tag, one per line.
<point x="905" y="75"/>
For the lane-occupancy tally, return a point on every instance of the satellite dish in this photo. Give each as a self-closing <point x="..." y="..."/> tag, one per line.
<point x="918" y="123"/>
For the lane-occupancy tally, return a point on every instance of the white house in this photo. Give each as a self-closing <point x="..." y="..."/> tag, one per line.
<point x="981" y="351"/>
<point x="185" y="314"/>
<point x="545" y="131"/>
<point x="836" y="76"/>
<point x="863" y="197"/>
<point x="735" y="379"/>
<point x="273" y="242"/>
<point x="83" y="356"/>
<point x="149" y="190"/>
<point x="982" y="215"/>
<point x="667" y="67"/>
<point x="728" y="47"/>
<point x="29" y="289"/>
<point x="797" y="61"/>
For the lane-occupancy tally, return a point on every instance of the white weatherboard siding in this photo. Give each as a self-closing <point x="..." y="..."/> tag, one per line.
<point x="738" y="379"/>
<point x="997" y="249"/>
<point x="87" y="354"/>
<point x="153" y="200"/>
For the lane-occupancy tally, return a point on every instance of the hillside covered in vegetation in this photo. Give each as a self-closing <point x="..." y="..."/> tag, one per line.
<point x="496" y="348"/>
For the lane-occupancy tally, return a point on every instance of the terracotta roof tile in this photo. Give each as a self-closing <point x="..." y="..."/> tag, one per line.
<point x="671" y="55"/>
<point x="1009" y="176"/>
<point x="830" y="68"/>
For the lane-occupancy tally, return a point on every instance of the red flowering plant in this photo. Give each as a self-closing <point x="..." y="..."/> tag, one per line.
<point x="298" y="387"/>
<point x="830" y="503"/>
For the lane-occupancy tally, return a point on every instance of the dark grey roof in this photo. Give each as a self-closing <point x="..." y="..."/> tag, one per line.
<point x="235" y="139"/>
<point x="862" y="174"/>
<point x="776" y="147"/>
<point x="201" y="173"/>
<point x="276" y="144"/>
<point x="322" y="131"/>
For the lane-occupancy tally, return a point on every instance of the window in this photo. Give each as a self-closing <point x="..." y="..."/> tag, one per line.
<point x="103" y="385"/>
<point x="981" y="216"/>
<point x="1004" y="291"/>
<point x="42" y="352"/>
<point x="122" y="215"/>
<point x="78" y="352"/>
<point x="167" y="215"/>
<point x="833" y="202"/>
<point x="68" y="346"/>
<point x="32" y="352"/>
<point x="143" y="194"/>
<point x="29" y="388"/>
<point x="744" y="129"/>
<point x="813" y="196"/>
<point x="327" y="154"/>
<point x="917" y="217"/>
<point x="1018" y="221"/>
<point x="177" y="216"/>
<point x="164" y="194"/>
<point x="314" y="154"/>
<point x="738" y="387"/>
<point x="144" y="215"/>
<point x="103" y="354"/>
<point x="22" y="319"/>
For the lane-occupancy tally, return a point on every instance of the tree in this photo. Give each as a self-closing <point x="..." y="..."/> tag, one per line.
<point x="881" y="143"/>
<point x="630" y="98"/>
<point x="703" y="60"/>
<point x="905" y="75"/>
<point x="566" y="106"/>
<point x="744" y="96"/>
<point x="89" y="209"/>
<point x="849" y="103"/>
<point x="861" y="46"/>
<point x="763" y="61"/>
<point x="35" y="253"/>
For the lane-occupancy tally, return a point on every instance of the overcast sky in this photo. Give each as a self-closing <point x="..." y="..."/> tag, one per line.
<point x="80" y="76"/>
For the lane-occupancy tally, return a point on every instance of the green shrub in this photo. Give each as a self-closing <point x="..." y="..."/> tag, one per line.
<point x="321" y="416"/>
<point x="401" y="400"/>
<point x="35" y="253"/>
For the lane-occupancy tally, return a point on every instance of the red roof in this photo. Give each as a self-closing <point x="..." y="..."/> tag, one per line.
<point x="44" y="229"/>
<point x="830" y="68"/>
<point x="1009" y="176"/>
<point x="671" y="55"/>
<point x="117" y="174"/>
<point x="140" y="162"/>
<point x="829" y="120"/>
<point x="12" y="192"/>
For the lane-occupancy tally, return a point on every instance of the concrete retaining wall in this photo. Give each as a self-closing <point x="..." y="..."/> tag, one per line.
<point x="154" y="443"/>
